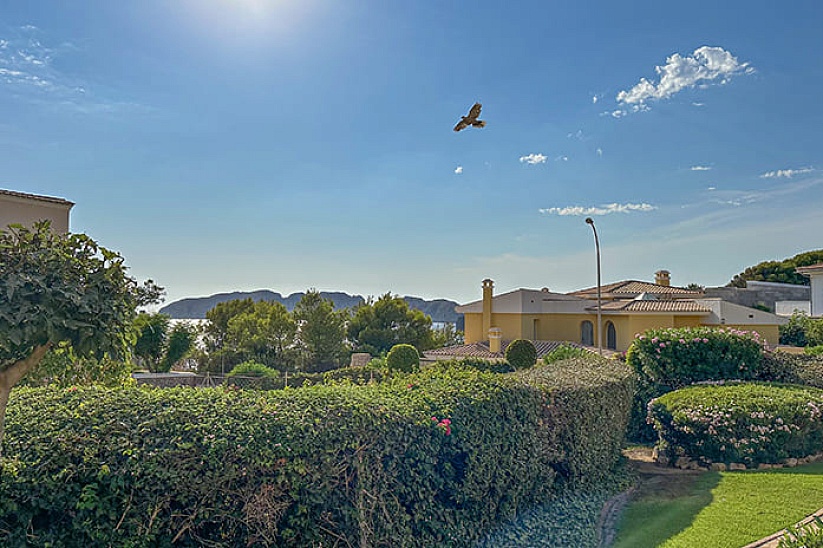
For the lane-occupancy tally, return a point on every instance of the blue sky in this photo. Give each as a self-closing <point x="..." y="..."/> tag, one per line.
<point x="234" y="145"/>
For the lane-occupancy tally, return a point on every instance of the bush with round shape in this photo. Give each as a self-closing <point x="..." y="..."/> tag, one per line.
<point x="751" y="423"/>
<point x="403" y="357"/>
<point x="667" y="359"/>
<point x="521" y="354"/>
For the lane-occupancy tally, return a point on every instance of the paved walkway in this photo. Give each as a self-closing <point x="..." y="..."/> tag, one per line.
<point x="773" y="540"/>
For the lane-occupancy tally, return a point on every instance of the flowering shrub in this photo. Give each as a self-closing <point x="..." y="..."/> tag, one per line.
<point x="678" y="357"/>
<point x="667" y="359"/>
<point x="740" y="422"/>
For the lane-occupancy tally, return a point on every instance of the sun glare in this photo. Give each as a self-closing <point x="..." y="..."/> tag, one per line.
<point x="249" y="20"/>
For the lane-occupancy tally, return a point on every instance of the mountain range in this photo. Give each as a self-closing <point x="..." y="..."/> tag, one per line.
<point x="440" y="310"/>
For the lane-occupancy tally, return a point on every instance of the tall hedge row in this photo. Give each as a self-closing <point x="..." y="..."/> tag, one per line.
<point x="430" y="459"/>
<point x="593" y="398"/>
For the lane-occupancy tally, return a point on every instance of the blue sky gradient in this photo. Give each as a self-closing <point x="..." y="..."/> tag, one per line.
<point x="234" y="145"/>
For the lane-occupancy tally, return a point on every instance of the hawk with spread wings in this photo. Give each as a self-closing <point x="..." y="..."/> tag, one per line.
<point x="471" y="119"/>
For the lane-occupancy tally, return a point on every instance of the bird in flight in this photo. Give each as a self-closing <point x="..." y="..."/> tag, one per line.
<point x="471" y="119"/>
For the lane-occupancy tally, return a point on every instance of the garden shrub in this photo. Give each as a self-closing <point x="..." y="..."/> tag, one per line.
<point x="742" y="422"/>
<point x="679" y="357"/>
<point x="564" y="352"/>
<point x="253" y="369"/>
<point x="791" y="368"/>
<point x="667" y="359"/>
<point x="493" y="366"/>
<point x="592" y="397"/>
<point x="403" y="357"/>
<point x="802" y="330"/>
<point x="814" y="350"/>
<point x="429" y="459"/>
<point x="521" y="354"/>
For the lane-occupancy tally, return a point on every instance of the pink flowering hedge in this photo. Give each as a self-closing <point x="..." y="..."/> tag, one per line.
<point x="682" y="356"/>
<point x="750" y="423"/>
<point x="430" y="459"/>
<point x="667" y="359"/>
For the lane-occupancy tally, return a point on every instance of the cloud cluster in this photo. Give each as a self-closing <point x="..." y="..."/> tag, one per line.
<point x="705" y="66"/>
<point x="602" y="210"/>
<point x="27" y="68"/>
<point x="786" y="173"/>
<point x="458" y="170"/>
<point x="533" y="159"/>
<point x="701" y="168"/>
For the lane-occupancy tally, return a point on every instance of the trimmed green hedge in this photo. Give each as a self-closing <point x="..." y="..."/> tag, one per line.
<point x="592" y="397"/>
<point x="521" y="354"/>
<point x="354" y="375"/>
<point x="667" y="359"/>
<point x="750" y="423"/>
<point x="403" y="357"/>
<point x="429" y="459"/>
<point x="679" y="357"/>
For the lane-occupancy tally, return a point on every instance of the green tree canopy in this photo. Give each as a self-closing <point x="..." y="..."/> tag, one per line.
<point x="152" y="335"/>
<point x="59" y="288"/>
<point x="264" y="333"/>
<point x="322" y="331"/>
<point x="379" y="325"/>
<point x="219" y="316"/>
<point x="779" y="271"/>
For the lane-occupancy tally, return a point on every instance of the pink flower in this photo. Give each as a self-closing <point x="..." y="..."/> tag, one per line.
<point x="434" y="419"/>
<point x="662" y="345"/>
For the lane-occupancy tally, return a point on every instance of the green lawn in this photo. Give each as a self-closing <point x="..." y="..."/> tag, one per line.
<point x="722" y="509"/>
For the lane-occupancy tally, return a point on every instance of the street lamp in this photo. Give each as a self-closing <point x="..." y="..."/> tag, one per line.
<point x="590" y="221"/>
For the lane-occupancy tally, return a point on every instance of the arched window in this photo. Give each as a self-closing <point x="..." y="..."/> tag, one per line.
<point x="587" y="333"/>
<point x="611" y="336"/>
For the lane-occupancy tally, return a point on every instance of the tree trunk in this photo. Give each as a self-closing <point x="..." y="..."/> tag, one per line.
<point x="11" y="376"/>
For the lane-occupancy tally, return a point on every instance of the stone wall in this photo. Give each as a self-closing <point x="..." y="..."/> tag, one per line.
<point x="761" y="293"/>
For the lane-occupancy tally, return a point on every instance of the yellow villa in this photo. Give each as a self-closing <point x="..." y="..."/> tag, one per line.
<point x="627" y="308"/>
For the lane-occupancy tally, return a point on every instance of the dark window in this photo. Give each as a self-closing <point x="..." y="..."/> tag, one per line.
<point x="587" y="333"/>
<point x="611" y="336"/>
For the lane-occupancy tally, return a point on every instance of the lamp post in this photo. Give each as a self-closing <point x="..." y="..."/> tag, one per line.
<point x="590" y="221"/>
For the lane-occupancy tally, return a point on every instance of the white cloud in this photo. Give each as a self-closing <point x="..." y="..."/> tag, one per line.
<point x="599" y="152"/>
<point x="701" y="168"/>
<point x="787" y="173"/>
<point x="562" y="159"/>
<point x="602" y="210"/>
<point x="534" y="159"/>
<point x="706" y="65"/>
<point x="698" y="104"/>
<point x="594" y="100"/>
<point x="712" y="188"/>
<point x="458" y="170"/>
<point x="26" y="63"/>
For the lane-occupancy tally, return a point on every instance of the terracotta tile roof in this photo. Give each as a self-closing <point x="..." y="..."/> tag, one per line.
<point x="481" y="350"/>
<point x="37" y="197"/>
<point x="676" y="306"/>
<point x="629" y="288"/>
